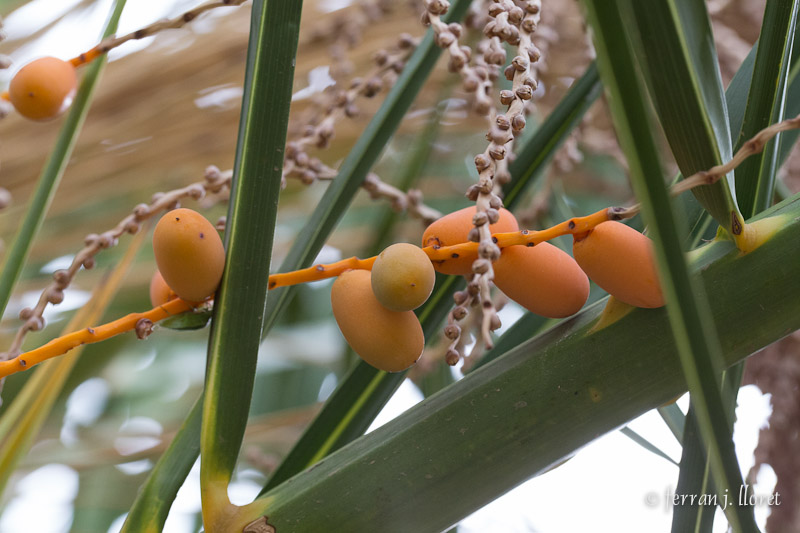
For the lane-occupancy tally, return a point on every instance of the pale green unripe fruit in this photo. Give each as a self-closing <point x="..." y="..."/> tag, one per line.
<point x="402" y="277"/>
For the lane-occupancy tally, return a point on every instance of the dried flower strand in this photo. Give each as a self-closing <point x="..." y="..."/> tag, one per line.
<point x="181" y="20"/>
<point x="214" y="182"/>
<point x="510" y="23"/>
<point x="476" y="80"/>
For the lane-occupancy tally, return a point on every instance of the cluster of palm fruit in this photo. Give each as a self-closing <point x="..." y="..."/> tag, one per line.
<point x="374" y="310"/>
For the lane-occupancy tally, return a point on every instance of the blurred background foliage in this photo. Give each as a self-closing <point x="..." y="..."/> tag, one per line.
<point x="165" y="112"/>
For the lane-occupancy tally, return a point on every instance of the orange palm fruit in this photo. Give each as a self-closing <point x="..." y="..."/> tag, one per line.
<point x="454" y="229"/>
<point x="388" y="340"/>
<point x="402" y="277"/>
<point x="160" y="293"/>
<point x="622" y="262"/>
<point x="543" y="279"/>
<point x="44" y="88"/>
<point x="189" y="254"/>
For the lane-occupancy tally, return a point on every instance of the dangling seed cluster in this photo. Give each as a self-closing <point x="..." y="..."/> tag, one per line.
<point x="476" y="80"/>
<point x="340" y="103"/>
<point x="510" y="23"/>
<point x="345" y="31"/>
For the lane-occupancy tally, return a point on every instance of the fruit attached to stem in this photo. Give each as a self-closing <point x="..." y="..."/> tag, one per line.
<point x="402" y="277"/>
<point x="454" y="229"/>
<point x="543" y="279"/>
<point x="621" y="260"/>
<point x="388" y="340"/>
<point x="43" y="89"/>
<point x="189" y="254"/>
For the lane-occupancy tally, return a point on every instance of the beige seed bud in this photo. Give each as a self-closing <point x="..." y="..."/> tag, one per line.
<point x="140" y="211"/>
<point x="473" y="289"/>
<point x="481" y="162"/>
<point x="213" y="173"/>
<point x="524" y="92"/>
<point x="485" y="186"/>
<point x="34" y="323"/>
<point x="498" y="153"/>
<point x="481" y="266"/>
<point x="144" y="328"/>
<point x="502" y="122"/>
<point x="528" y="25"/>
<point x="61" y="278"/>
<point x="405" y="40"/>
<point x="445" y="39"/>
<point x="506" y="97"/>
<point x="452" y="331"/>
<point x="54" y="296"/>
<point x="452" y="358"/>
<point x="489" y="250"/>
<point x="479" y="219"/>
<point x="495" y="9"/>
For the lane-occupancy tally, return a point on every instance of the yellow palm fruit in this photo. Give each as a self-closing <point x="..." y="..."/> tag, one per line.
<point x="160" y="293"/>
<point x="43" y="89"/>
<point x="388" y="340"/>
<point x="402" y="277"/>
<point x="454" y="229"/>
<point x="622" y="262"/>
<point x="542" y="279"/>
<point x="189" y="254"/>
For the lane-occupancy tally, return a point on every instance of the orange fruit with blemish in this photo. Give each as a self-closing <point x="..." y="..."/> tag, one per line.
<point x="621" y="261"/>
<point x="189" y="254"/>
<point x="43" y="89"/>
<point x="160" y="293"/>
<point x="402" y="277"/>
<point x="543" y="279"/>
<point x="388" y="340"/>
<point x="454" y="229"/>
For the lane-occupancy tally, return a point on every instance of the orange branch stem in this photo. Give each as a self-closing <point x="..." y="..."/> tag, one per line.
<point x="318" y="272"/>
<point x="573" y="226"/>
<point x="62" y="345"/>
<point x="86" y="57"/>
